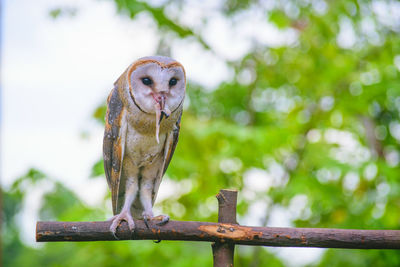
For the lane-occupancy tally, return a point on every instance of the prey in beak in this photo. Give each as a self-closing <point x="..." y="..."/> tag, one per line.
<point x="161" y="112"/>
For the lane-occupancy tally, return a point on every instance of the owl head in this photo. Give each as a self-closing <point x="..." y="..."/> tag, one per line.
<point x="157" y="84"/>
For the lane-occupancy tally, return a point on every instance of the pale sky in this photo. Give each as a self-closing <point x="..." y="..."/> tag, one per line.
<point x="56" y="72"/>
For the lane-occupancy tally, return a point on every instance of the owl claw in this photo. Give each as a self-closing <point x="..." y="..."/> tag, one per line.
<point x="117" y="219"/>
<point x="146" y="217"/>
<point x="146" y="222"/>
<point x="163" y="219"/>
<point x="114" y="235"/>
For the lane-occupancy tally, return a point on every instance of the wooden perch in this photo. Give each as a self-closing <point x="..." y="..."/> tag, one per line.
<point x="225" y="234"/>
<point x="222" y="232"/>
<point x="223" y="252"/>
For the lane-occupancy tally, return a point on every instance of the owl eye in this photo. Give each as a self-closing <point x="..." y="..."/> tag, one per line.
<point x="147" y="81"/>
<point x="173" y="81"/>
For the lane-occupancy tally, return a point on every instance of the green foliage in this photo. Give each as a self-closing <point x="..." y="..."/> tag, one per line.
<point x="97" y="169"/>
<point x="133" y="8"/>
<point x="100" y="113"/>
<point x="279" y="18"/>
<point x="56" y="13"/>
<point x="319" y="119"/>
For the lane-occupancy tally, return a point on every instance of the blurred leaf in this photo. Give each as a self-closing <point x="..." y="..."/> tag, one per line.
<point x="97" y="169"/>
<point x="100" y="113"/>
<point x="55" y="13"/>
<point x="279" y="18"/>
<point x="58" y="12"/>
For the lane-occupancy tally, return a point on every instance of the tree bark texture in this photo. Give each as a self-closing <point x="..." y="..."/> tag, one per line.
<point x="221" y="232"/>
<point x="223" y="252"/>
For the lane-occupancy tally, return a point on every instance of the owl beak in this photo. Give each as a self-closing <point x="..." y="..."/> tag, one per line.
<point x="161" y="100"/>
<point x="160" y="107"/>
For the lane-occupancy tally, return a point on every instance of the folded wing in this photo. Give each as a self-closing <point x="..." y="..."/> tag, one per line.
<point x="113" y="145"/>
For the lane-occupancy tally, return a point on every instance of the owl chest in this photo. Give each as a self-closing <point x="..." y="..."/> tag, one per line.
<point x="142" y="149"/>
<point x="145" y="124"/>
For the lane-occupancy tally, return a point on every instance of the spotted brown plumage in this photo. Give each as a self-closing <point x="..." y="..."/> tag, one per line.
<point x="141" y="133"/>
<point x="112" y="147"/>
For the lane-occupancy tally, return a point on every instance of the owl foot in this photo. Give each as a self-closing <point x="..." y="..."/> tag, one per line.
<point x="162" y="219"/>
<point x="117" y="219"/>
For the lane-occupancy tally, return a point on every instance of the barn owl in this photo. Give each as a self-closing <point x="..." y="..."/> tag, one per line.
<point x="142" y="126"/>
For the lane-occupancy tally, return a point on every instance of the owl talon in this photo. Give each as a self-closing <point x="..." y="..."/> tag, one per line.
<point x="117" y="219"/>
<point x="146" y="222"/>
<point x="115" y="236"/>
<point x="147" y="216"/>
<point x="163" y="219"/>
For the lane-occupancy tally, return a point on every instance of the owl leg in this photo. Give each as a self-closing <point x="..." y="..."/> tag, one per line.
<point x="148" y="188"/>
<point x="125" y="214"/>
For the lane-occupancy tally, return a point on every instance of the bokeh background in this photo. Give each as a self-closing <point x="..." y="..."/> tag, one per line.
<point x="294" y="103"/>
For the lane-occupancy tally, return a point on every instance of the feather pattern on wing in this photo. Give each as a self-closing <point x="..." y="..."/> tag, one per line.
<point x="114" y="143"/>
<point x="171" y="149"/>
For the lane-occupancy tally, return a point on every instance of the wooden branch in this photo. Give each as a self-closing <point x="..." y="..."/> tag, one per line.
<point x="223" y="252"/>
<point x="221" y="232"/>
<point x="227" y="200"/>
